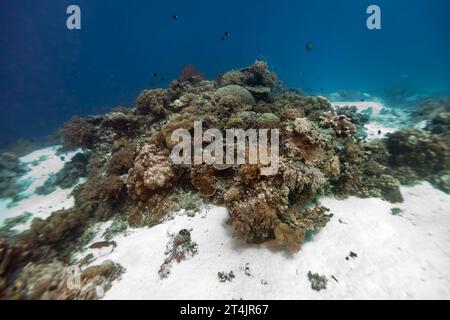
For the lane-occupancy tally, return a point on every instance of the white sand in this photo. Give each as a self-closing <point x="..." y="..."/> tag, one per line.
<point x="40" y="205"/>
<point x="377" y="131"/>
<point x="406" y="256"/>
<point x="360" y="105"/>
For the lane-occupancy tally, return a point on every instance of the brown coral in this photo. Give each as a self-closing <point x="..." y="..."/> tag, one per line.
<point x="78" y="133"/>
<point x="49" y="281"/>
<point x="191" y="74"/>
<point x="122" y="160"/>
<point x="154" y="102"/>
<point x="150" y="178"/>
<point x="341" y="125"/>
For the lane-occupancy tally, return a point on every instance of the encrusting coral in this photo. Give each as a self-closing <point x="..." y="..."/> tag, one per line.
<point x="131" y="176"/>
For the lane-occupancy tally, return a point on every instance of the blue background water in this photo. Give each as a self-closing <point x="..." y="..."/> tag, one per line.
<point x="49" y="73"/>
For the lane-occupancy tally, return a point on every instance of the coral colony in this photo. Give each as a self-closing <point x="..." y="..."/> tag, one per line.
<point x="243" y="141"/>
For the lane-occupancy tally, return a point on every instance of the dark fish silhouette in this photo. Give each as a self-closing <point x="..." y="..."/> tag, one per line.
<point x="222" y="38"/>
<point x="175" y="17"/>
<point x="309" y="46"/>
<point x="101" y="244"/>
<point x="162" y="79"/>
<point x="154" y="74"/>
<point x="226" y="34"/>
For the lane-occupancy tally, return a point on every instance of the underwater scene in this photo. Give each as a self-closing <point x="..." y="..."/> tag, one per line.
<point x="224" y="150"/>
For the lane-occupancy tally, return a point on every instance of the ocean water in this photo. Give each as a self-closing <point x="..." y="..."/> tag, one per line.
<point x="49" y="73"/>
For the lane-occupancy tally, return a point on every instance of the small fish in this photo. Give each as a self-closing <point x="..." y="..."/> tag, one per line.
<point x="101" y="244"/>
<point x="362" y="100"/>
<point x="302" y="74"/>
<point x="309" y="46"/>
<point x="154" y="74"/>
<point x="162" y="79"/>
<point x="222" y="38"/>
<point x="226" y="34"/>
<point x="175" y="17"/>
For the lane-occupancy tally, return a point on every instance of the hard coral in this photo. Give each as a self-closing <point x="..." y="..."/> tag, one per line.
<point x="154" y="102"/>
<point x="255" y="75"/>
<point x="341" y="125"/>
<point x="150" y="178"/>
<point x="49" y="281"/>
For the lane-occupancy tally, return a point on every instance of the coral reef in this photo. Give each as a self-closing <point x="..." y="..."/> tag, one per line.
<point x="431" y="108"/>
<point x="79" y="133"/>
<point x="149" y="182"/>
<point x="10" y="171"/>
<point x="122" y="160"/>
<point x="417" y="154"/>
<point x="49" y="281"/>
<point x="341" y="125"/>
<point x="131" y="178"/>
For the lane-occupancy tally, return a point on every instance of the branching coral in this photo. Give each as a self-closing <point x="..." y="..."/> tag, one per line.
<point x="341" y="125"/>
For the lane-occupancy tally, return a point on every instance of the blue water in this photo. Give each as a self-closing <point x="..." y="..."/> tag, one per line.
<point x="49" y="73"/>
